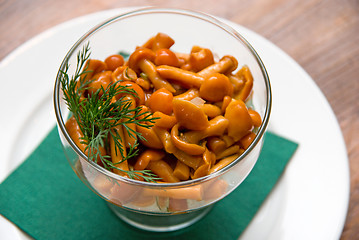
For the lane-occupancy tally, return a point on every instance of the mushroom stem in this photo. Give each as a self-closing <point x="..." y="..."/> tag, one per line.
<point x="225" y="65"/>
<point x="188" y="78"/>
<point x="216" y="127"/>
<point x="150" y="70"/>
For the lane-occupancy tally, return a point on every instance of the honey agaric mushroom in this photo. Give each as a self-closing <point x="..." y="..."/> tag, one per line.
<point x="160" y="41"/>
<point x="216" y="127"/>
<point x="215" y="87"/>
<point x="163" y="170"/>
<point x="139" y="94"/>
<point x="76" y="135"/>
<point x="193" y="161"/>
<point x="246" y="74"/>
<point x="216" y="144"/>
<point x="100" y="80"/>
<point x="209" y="159"/>
<point x="211" y="110"/>
<point x="227" y="64"/>
<point x="247" y="140"/>
<point x="189" y="115"/>
<point x="181" y="171"/>
<point x="130" y="139"/>
<point x="116" y="157"/>
<point x="190" y="148"/>
<point x="164" y="120"/>
<point x="187" y="78"/>
<point x="92" y="67"/>
<point x="165" y="56"/>
<point x="200" y="58"/>
<point x="225" y="102"/>
<point x="240" y="122"/>
<point x="165" y="137"/>
<point x="114" y="61"/>
<point x="256" y="118"/>
<point x="141" y="60"/>
<point x="161" y="100"/>
<point x="229" y="151"/>
<point x="237" y="83"/>
<point x="146" y="156"/>
<point x="201" y="171"/>
<point x="188" y="95"/>
<point x="151" y="138"/>
<point x="222" y="163"/>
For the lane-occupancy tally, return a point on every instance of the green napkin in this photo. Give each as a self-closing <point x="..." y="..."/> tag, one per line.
<point x="44" y="198"/>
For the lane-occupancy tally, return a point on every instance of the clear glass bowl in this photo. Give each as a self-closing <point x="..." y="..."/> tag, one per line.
<point x="153" y="206"/>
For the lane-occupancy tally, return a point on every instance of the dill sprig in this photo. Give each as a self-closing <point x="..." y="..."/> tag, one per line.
<point x="98" y="115"/>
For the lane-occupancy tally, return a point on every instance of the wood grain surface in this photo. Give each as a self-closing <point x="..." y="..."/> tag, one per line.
<point x="321" y="35"/>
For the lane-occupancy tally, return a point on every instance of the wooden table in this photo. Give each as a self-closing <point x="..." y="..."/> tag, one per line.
<point x="321" y="35"/>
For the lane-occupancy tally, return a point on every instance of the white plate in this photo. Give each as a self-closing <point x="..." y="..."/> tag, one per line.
<point x="309" y="202"/>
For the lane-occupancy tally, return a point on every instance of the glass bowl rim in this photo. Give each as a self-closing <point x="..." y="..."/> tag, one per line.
<point x="149" y="10"/>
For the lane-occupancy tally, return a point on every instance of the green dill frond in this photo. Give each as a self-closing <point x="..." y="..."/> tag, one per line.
<point x="98" y="115"/>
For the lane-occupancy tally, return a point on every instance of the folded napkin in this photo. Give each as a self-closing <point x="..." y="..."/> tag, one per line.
<point x="45" y="199"/>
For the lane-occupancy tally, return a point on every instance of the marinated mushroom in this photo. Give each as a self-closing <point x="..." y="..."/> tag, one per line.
<point x="215" y="87"/>
<point x="227" y="64"/>
<point x="184" y="113"/>
<point x="142" y="60"/>
<point x="240" y="122"/>
<point x="189" y="115"/>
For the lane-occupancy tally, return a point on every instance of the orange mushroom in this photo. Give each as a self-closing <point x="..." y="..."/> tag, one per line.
<point x="151" y="139"/>
<point x="165" y="56"/>
<point x="200" y="58"/>
<point x="141" y="60"/>
<point x="130" y="138"/>
<point x="163" y="170"/>
<point x="228" y="152"/>
<point x="190" y="148"/>
<point x="190" y="160"/>
<point x="225" y="102"/>
<point x="146" y="156"/>
<point x="161" y="100"/>
<point x="215" y="87"/>
<point x="240" y="122"/>
<point x="237" y="82"/>
<point x="188" y="95"/>
<point x="208" y="160"/>
<point x="246" y="74"/>
<point x="189" y="115"/>
<point x="222" y="163"/>
<point x="226" y="64"/>
<point x="181" y="171"/>
<point x="93" y="66"/>
<point x="114" y="61"/>
<point x="187" y="78"/>
<point x="247" y="140"/>
<point x="164" y="120"/>
<point x="216" y="144"/>
<point x="256" y="118"/>
<point x="216" y="127"/>
<point x="165" y="137"/>
<point x="76" y="135"/>
<point x="116" y="156"/>
<point x="211" y="110"/>
<point x="139" y="94"/>
<point x="100" y="80"/>
<point x="160" y="41"/>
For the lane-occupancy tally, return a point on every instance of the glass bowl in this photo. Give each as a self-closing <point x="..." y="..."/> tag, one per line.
<point x="166" y="206"/>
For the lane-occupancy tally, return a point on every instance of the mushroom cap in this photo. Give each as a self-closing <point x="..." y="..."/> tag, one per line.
<point x="189" y="115"/>
<point x="215" y="87"/>
<point x="138" y="55"/>
<point x="240" y="122"/>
